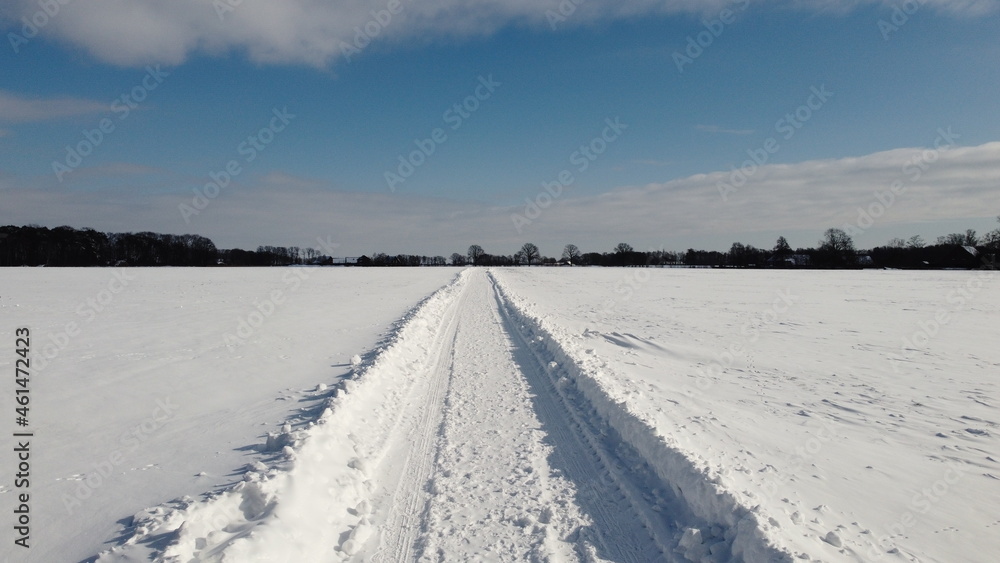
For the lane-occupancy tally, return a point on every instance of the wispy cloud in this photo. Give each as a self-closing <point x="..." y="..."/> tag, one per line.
<point x="718" y="129"/>
<point x="280" y="208"/>
<point x="117" y="170"/>
<point x="135" y="32"/>
<point x="18" y="109"/>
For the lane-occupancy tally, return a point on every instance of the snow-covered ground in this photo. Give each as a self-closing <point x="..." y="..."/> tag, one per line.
<point x="516" y="414"/>
<point x="853" y="414"/>
<point x="146" y="399"/>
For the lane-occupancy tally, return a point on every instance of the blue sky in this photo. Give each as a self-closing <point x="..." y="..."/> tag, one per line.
<point x="835" y="107"/>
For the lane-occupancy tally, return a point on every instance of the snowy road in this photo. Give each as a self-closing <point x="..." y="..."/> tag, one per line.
<point x="463" y="441"/>
<point x="494" y="464"/>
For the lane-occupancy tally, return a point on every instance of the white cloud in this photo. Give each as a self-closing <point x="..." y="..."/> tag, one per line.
<point x="17" y="109"/>
<point x="959" y="187"/>
<point x="136" y="32"/>
<point x="115" y="171"/>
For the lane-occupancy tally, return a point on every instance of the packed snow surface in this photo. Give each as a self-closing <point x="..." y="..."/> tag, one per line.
<point x="528" y="414"/>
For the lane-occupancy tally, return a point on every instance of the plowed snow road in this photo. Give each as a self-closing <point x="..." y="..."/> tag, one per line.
<point x="493" y="465"/>
<point x="462" y="441"/>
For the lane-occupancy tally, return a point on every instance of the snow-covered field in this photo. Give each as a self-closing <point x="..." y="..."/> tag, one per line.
<point x="850" y="415"/>
<point x="147" y="400"/>
<point x="515" y="414"/>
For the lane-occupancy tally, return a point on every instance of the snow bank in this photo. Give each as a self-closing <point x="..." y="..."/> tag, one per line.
<point x="271" y="516"/>
<point x="693" y="482"/>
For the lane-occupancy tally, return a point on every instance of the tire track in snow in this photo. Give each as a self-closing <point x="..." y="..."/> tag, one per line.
<point x="684" y="507"/>
<point x="616" y="489"/>
<point x="405" y="506"/>
<point x="519" y="472"/>
<point x="494" y="496"/>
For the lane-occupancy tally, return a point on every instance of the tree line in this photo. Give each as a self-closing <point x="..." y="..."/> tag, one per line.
<point x="835" y="249"/>
<point x="65" y="246"/>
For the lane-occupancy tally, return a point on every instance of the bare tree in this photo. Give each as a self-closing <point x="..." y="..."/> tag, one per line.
<point x="970" y="238"/>
<point x="838" y="248"/>
<point x="475" y="253"/>
<point x="991" y="239"/>
<point x="916" y="241"/>
<point x="782" y="248"/>
<point x="952" y="239"/>
<point x="743" y="255"/>
<point x="530" y="252"/>
<point x="571" y="253"/>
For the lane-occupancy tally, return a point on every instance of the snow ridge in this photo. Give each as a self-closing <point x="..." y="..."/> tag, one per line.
<point x="710" y="523"/>
<point x="270" y="515"/>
